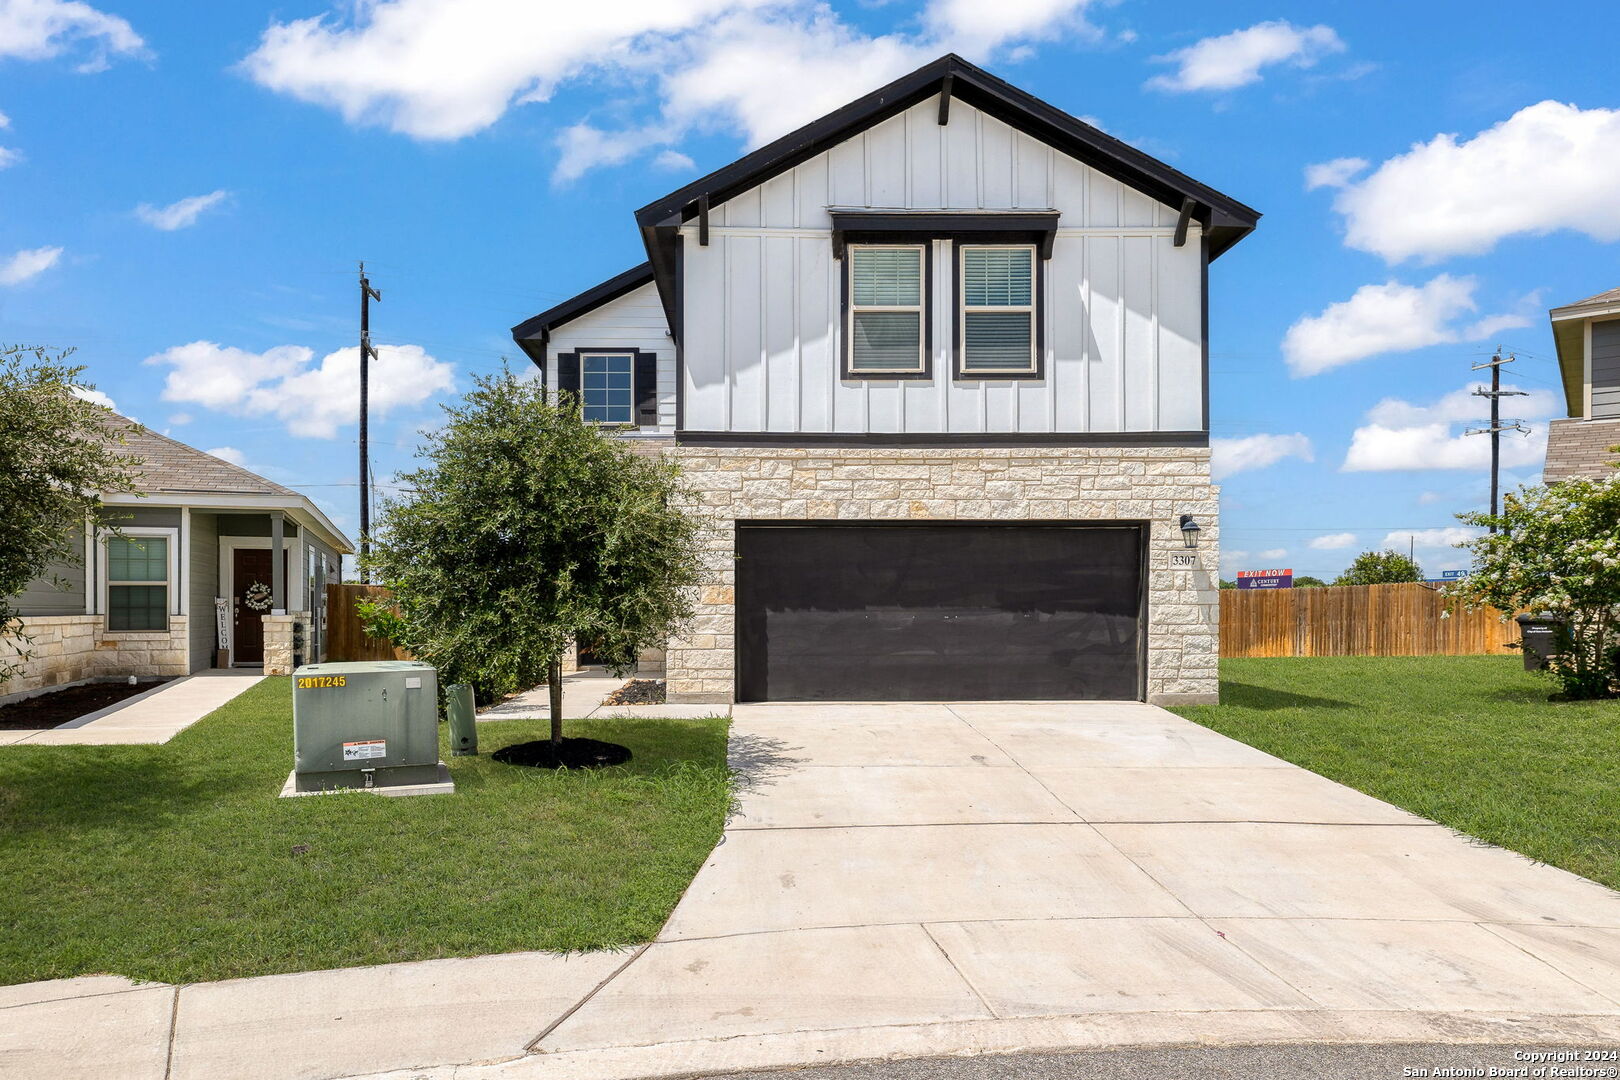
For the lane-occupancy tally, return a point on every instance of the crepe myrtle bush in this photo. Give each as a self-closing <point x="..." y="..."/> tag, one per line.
<point x="1556" y="551"/>
<point x="528" y="528"/>
<point x="59" y="453"/>
<point x="1379" y="568"/>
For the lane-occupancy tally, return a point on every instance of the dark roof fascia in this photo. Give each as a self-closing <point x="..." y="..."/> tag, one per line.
<point x="532" y="334"/>
<point x="1224" y="218"/>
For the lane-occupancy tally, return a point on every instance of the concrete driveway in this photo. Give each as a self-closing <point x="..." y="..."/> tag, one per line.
<point x="916" y="878"/>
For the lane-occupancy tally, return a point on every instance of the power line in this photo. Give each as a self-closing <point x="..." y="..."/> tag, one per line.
<point x="367" y="354"/>
<point x="1496" y="394"/>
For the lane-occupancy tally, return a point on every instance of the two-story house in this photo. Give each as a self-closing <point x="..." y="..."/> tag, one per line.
<point x="935" y="367"/>
<point x="1587" y="335"/>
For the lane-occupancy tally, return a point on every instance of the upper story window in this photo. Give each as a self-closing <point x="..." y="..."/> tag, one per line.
<point x="997" y="328"/>
<point x="607" y="387"/>
<point x="139" y="577"/>
<point x="887" y="310"/>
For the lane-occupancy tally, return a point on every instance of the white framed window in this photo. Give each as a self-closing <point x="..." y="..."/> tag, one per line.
<point x="607" y="387"/>
<point x="139" y="571"/>
<point x="887" y="309"/>
<point x="997" y="309"/>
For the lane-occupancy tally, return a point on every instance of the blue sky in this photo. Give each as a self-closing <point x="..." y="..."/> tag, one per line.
<point x="185" y="189"/>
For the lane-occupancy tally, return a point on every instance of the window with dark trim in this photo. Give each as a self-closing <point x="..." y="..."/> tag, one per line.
<point x="615" y="387"/>
<point x="998" y="311"/>
<point x="886" y="311"/>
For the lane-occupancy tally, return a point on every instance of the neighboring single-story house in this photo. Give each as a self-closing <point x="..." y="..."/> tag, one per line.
<point x="205" y="564"/>
<point x="1587" y="334"/>
<point x="936" y="369"/>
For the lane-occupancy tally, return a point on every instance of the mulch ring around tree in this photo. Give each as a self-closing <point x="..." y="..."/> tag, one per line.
<point x="637" y="692"/>
<point x="576" y="754"/>
<point x="59" y="706"/>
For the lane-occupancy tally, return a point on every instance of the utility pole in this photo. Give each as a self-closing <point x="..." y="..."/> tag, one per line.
<point x="367" y="354"/>
<point x="1496" y="394"/>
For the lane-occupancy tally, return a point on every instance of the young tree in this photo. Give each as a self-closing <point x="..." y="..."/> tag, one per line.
<point x="1305" y="581"/>
<point x="1556" y="551"/>
<point x="1380" y="568"/>
<point x="58" y="454"/>
<point x="529" y="528"/>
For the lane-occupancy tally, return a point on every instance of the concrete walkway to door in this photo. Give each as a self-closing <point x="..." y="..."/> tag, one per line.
<point x="928" y="879"/>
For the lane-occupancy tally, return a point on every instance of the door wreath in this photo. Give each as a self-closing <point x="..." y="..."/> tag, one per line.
<point x="258" y="597"/>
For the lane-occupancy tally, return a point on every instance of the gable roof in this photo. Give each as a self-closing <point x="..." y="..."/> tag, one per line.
<point x="1569" y="339"/>
<point x="532" y="333"/>
<point x="1224" y="219"/>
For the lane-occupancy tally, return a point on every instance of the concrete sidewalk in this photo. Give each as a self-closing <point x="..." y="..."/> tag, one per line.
<point x="153" y="717"/>
<point x="583" y="692"/>
<point x="921" y="880"/>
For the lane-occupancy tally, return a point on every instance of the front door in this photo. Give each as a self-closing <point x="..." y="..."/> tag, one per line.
<point x="250" y="585"/>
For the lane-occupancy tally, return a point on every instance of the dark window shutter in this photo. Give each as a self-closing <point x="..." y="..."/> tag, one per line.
<point x="568" y="373"/>
<point x="646" y="383"/>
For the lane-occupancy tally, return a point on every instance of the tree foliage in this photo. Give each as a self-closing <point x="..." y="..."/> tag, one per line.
<point x="58" y="455"/>
<point x="1380" y="568"/>
<point x="526" y="529"/>
<point x="1556" y="551"/>
<point x="1306" y="581"/>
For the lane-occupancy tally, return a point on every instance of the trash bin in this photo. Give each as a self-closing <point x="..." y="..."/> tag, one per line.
<point x="1541" y="636"/>
<point x="458" y="709"/>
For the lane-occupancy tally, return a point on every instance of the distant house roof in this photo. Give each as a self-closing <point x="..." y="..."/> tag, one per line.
<point x="171" y="473"/>
<point x="168" y="467"/>
<point x="1602" y="299"/>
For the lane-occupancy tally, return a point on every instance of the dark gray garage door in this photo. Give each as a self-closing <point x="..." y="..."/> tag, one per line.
<point x="900" y="612"/>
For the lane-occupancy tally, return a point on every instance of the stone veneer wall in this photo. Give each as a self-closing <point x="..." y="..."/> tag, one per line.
<point x="76" y="648"/>
<point x="1152" y="484"/>
<point x="278" y="641"/>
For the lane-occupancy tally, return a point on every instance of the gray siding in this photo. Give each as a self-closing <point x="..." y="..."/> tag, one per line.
<point x="42" y="597"/>
<point x="253" y="525"/>
<point x="202" y="577"/>
<point x="145" y="517"/>
<point x="1606" y="369"/>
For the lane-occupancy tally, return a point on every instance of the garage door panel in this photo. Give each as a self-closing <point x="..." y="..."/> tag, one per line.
<point x="938" y="612"/>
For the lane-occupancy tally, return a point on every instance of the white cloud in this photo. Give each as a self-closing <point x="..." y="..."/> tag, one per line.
<point x="42" y="29"/>
<point x="9" y="157"/>
<point x="1236" y="59"/>
<point x="1401" y="436"/>
<point x="230" y="454"/>
<point x="1429" y="498"/>
<point x="28" y="264"/>
<point x="1335" y="174"/>
<point x="180" y="419"/>
<point x="1428" y="539"/>
<point x="97" y="397"/>
<point x="673" y="161"/>
<point x="311" y="399"/>
<point x="1235" y="455"/>
<point x="1274" y="553"/>
<point x="1333" y="541"/>
<point x="182" y="214"/>
<point x="445" y="69"/>
<point x="1389" y="318"/>
<point x="1549" y="166"/>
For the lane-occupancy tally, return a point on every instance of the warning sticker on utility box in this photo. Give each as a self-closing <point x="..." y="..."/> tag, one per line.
<point x="360" y="751"/>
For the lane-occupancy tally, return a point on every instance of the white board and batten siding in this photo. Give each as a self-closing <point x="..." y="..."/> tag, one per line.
<point x="1122" y="304"/>
<point x="633" y="321"/>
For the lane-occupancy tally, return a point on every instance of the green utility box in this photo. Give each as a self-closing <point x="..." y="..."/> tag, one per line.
<point x="369" y="724"/>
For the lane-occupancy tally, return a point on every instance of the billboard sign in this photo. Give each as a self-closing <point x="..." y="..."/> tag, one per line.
<point x="1265" y="579"/>
<point x="1447" y="576"/>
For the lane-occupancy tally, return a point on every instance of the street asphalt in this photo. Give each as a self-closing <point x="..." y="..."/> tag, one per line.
<point x="1315" y="1062"/>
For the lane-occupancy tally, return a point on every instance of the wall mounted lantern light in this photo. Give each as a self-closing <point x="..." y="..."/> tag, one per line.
<point x="1189" y="531"/>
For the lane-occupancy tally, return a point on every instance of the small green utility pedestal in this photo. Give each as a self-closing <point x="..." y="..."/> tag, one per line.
<point x="458" y="709"/>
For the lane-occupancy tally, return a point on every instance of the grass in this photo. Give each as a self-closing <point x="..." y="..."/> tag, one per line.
<point x="178" y="862"/>
<point x="1469" y="741"/>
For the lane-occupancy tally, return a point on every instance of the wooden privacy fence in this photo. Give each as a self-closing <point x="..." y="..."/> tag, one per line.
<point x="1357" y="620"/>
<point x="346" y="638"/>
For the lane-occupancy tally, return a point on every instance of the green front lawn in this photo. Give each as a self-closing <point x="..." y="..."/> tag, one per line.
<point x="1469" y="741"/>
<point x="178" y="862"/>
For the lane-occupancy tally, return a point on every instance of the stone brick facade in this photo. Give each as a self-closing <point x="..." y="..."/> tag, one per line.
<point x="1155" y="485"/>
<point x="279" y="646"/>
<point x="77" y="648"/>
<point x="1579" y="449"/>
